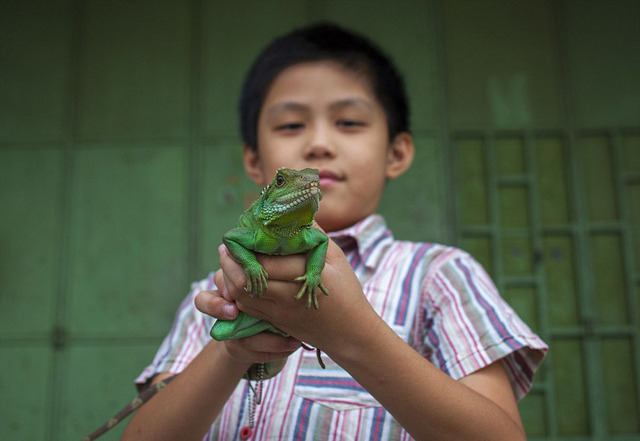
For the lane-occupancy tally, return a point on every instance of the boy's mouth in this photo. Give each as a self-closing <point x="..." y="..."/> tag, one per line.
<point x="328" y="178"/>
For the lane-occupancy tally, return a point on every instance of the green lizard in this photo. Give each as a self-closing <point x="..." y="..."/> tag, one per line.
<point x="278" y="223"/>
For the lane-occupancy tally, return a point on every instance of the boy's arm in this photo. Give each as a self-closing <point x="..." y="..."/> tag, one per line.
<point x="186" y="407"/>
<point x="413" y="390"/>
<point x="481" y="406"/>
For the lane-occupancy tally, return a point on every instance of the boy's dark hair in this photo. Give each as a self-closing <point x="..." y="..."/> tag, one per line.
<point x="323" y="42"/>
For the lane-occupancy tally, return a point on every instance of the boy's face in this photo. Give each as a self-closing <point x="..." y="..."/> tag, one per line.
<point x="323" y="116"/>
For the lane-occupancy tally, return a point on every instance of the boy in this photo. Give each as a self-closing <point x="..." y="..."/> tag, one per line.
<point x="418" y="343"/>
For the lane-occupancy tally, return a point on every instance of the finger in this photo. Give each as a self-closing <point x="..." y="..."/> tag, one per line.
<point x="234" y="278"/>
<point x="218" y="279"/>
<point x="266" y="342"/>
<point x="262" y="348"/>
<point x="232" y="281"/>
<point x="280" y="296"/>
<point x="285" y="268"/>
<point x="212" y="303"/>
<point x="237" y="350"/>
<point x="334" y="251"/>
<point x="317" y="225"/>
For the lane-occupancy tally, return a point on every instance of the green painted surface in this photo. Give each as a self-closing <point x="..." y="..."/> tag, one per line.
<point x="532" y="411"/>
<point x="524" y="301"/>
<point x="103" y="367"/>
<point x="559" y="235"/>
<point x="229" y="36"/>
<point x="513" y="209"/>
<point x="36" y="48"/>
<point x="30" y="236"/>
<point x="501" y="61"/>
<point x="510" y="158"/>
<point x="133" y="70"/>
<point x="598" y="180"/>
<point x="570" y="401"/>
<point x="560" y="277"/>
<point x="608" y="285"/>
<point x="472" y="182"/>
<point x="551" y="176"/>
<point x="621" y="386"/>
<point x="602" y="50"/>
<point x="517" y="255"/>
<point x="120" y="168"/>
<point x="226" y="193"/>
<point x="417" y="215"/>
<point x="480" y="249"/>
<point x="128" y="248"/>
<point x="25" y="388"/>
<point x="405" y="32"/>
<point x="630" y="154"/>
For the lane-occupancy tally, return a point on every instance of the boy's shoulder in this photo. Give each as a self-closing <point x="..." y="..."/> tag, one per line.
<point x="431" y="256"/>
<point x="377" y="245"/>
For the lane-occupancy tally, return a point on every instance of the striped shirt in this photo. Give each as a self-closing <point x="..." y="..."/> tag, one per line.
<point x="437" y="298"/>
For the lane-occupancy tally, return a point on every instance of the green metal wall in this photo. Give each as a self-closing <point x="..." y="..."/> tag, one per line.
<point x="120" y="169"/>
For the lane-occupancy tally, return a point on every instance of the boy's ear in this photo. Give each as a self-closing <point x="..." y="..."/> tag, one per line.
<point x="252" y="165"/>
<point x="400" y="155"/>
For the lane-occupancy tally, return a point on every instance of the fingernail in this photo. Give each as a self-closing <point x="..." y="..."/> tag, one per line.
<point x="229" y="311"/>
<point x="221" y="249"/>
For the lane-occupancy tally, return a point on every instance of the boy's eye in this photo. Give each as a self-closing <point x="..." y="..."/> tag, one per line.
<point x="349" y="124"/>
<point x="289" y="127"/>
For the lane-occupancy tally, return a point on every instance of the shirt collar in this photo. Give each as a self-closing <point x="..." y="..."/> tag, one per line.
<point x="372" y="237"/>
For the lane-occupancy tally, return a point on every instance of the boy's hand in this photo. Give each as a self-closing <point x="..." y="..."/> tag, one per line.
<point x="343" y="314"/>
<point x="261" y="348"/>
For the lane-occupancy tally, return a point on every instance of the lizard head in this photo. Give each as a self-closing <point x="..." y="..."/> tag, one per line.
<point x="291" y="199"/>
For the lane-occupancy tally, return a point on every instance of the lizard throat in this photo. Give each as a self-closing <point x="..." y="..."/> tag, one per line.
<point x="291" y="212"/>
<point x="290" y="202"/>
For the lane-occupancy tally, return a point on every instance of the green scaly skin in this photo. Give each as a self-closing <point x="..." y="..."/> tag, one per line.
<point x="278" y="223"/>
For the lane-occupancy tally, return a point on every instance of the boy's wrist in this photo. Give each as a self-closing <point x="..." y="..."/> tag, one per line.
<point x="221" y="355"/>
<point x="361" y="343"/>
<point x="240" y="360"/>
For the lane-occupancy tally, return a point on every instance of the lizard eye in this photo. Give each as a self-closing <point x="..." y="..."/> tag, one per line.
<point x="279" y="181"/>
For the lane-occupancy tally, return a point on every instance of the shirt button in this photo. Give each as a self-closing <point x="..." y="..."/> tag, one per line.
<point x="245" y="433"/>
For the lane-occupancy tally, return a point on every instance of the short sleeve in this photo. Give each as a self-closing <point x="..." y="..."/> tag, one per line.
<point x="188" y="335"/>
<point x="469" y="325"/>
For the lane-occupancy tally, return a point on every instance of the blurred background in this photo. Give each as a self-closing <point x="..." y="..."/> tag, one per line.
<point x="120" y="170"/>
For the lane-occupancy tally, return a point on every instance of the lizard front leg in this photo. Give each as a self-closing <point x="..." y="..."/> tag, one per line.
<point x="312" y="279"/>
<point x="239" y="242"/>
<point x="311" y="283"/>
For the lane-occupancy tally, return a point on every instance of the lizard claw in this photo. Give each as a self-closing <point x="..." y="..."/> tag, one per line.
<point x="311" y="284"/>
<point x="256" y="281"/>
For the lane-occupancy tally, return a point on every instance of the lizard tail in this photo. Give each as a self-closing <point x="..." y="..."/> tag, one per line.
<point x="318" y="354"/>
<point x="138" y="401"/>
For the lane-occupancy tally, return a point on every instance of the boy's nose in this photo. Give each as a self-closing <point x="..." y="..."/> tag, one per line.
<point x="317" y="151"/>
<point x="320" y="145"/>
